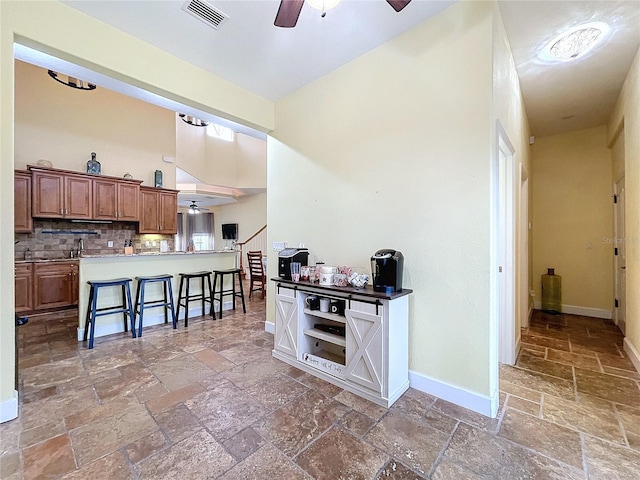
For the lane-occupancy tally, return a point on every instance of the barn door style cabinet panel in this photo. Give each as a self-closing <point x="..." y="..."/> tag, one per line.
<point x="362" y="346"/>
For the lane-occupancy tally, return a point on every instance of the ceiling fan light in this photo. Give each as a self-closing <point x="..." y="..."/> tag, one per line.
<point x="323" y="4"/>
<point x="191" y="120"/>
<point x="575" y="42"/>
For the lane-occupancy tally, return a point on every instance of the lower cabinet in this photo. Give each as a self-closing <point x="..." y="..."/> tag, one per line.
<point x="353" y="347"/>
<point x="55" y="285"/>
<point x="23" y="287"/>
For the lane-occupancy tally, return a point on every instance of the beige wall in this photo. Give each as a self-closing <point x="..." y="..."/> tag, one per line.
<point x="572" y="214"/>
<point x="250" y="213"/>
<point x="393" y="151"/>
<point x="239" y="164"/>
<point x="509" y="109"/>
<point x="627" y="116"/>
<point x="65" y="125"/>
<point x="55" y="28"/>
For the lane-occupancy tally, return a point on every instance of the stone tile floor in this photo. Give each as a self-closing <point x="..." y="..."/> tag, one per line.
<point x="209" y="401"/>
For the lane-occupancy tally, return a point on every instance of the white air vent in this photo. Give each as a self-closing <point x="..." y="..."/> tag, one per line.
<point x="205" y="13"/>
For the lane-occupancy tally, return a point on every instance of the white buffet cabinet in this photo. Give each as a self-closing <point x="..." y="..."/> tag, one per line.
<point x="370" y="359"/>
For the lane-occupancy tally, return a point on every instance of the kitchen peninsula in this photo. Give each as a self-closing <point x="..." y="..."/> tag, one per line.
<point x="103" y="267"/>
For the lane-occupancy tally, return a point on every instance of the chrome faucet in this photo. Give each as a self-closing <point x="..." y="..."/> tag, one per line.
<point x="80" y="247"/>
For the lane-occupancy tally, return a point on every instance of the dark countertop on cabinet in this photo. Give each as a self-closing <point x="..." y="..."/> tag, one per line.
<point x="365" y="292"/>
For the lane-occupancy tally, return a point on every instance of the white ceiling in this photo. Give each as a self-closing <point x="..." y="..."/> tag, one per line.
<point x="250" y="51"/>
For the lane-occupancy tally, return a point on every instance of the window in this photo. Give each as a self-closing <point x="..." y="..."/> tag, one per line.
<point x="218" y="131"/>
<point x="196" y="230"/>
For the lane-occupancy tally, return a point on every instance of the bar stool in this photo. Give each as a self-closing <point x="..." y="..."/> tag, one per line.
<point x="183" y="298"/>
<point x="92" y="311"/>
<point x="222" y="292"/>
<point x="141" y="304"/>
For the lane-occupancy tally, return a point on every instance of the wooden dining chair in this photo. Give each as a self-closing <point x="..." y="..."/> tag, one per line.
<point x="256" y="272"/>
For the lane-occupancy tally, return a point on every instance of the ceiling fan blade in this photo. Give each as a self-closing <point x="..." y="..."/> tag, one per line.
<point x="288" y="13"/>
<point x="398" y="4"/>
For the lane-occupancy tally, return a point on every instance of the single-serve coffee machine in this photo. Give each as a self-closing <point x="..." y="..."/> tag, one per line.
<point x="288" y="255"/>
<point x="386" y="269"/>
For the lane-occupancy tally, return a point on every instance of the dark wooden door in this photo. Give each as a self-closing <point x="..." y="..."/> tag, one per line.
<point x="23" y="288"/>
<point x="105" y="199"/>
<point x="78" y="193"/>
<point x="128" y="202"/>
<point x="23" y="222"/>
<point x="168" y="213"/>
<point x="47" y="195"/>
<point x="149" y="211"/>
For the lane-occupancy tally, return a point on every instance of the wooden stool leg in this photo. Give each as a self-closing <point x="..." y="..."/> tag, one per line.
<point x="186" y="307"/>
<point x="179" y="297"/>
<point x="94" y="303"/>
<point x="244" y="308"/>
<point x="174" y="317"/>
<point x="212" y="311"/>
<point x="137" y="305"/>
<point x="86" y="320"/>
<point x="141" y="316"/>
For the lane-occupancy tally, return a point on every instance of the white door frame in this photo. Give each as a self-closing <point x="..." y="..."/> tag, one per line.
<point x="504" y="240"/>
<point x="523" y="274"/>
<point x="619" y="313"/>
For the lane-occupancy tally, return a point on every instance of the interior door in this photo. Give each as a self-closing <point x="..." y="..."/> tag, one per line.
<point x="621" y="257"/>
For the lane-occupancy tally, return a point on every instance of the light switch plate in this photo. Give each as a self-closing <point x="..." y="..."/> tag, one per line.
<point x="110" y="244"/>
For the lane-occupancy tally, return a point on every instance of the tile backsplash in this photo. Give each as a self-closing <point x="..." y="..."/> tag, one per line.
<point x="57" y="238"/>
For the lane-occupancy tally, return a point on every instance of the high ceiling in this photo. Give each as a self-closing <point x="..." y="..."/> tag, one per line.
<point x="248" y="50"/>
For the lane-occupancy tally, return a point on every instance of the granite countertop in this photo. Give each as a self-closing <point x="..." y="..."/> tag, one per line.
<point x="145" y="254"/>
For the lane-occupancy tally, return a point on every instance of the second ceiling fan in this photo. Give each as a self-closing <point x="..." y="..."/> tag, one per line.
<point x="289" y="11"/>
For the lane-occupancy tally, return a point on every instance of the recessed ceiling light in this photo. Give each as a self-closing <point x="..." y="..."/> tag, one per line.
<point x="575" y="42"/>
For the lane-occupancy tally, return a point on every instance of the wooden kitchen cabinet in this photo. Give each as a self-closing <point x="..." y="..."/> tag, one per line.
<point x="158" y="211"/>
<point x="116" y="199"/>
<point x="23" y="287"/>
<point x="23" y="222"/>
<point x="61" y="195"/>
<point x="55" y="285"/>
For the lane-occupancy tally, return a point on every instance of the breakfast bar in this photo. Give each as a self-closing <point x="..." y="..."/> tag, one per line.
<point x="104" y="267"/>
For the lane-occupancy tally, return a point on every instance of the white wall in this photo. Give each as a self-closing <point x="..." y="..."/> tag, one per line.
<point x="250" y="213"/>
<point x="393" y="151"/>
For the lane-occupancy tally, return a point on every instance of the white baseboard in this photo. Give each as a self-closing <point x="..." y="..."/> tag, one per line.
<point x="149" y="320"/>
<point x="634" y="356"/>
<point x="270" y="327"/>
<point x="584" y="311"/>
<point x="9" y="408"/>
<point x="473" y="401"/>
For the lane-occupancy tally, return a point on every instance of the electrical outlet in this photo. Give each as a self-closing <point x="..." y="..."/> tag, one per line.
<point x="153" y="244"/>
<point x="146" y="243"/>
<point x="110" y="244"/>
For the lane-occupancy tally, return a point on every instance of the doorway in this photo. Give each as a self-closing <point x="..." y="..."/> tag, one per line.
<point x="620" y="258"/>
<point x="504" y="240"/>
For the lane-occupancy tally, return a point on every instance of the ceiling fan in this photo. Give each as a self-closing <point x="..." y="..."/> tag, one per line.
<point x="194" y="208"/>
<point x="289" y="11"/>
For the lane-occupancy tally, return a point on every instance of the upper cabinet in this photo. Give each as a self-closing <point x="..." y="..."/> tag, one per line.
<point x="23" y="222"/>
<point x="115" y="200"/>
<point x="62" y="194"/>
<point x="158" y="210"/>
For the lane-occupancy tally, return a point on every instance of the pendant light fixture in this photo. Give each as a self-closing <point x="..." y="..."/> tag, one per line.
<point x="70" y="81"/>
<point x="191" y="120"/>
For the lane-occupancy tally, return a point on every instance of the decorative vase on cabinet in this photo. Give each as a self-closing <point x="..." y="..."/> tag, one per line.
<point x="93" y="165"/>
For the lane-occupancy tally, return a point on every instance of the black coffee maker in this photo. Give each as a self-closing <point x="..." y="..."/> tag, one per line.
<point x="386" y="269"/>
